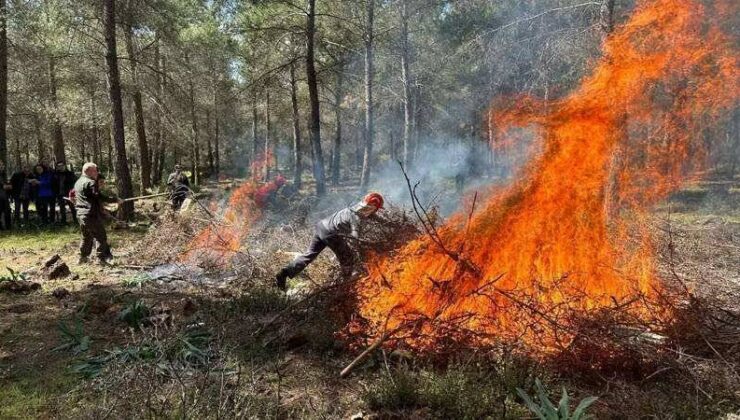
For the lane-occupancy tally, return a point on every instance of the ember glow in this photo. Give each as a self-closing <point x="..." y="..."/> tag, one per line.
<point x="223" y="238"/>
<point x="570" y="234"/>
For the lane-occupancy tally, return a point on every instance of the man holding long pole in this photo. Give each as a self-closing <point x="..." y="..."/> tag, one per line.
<point x="90" y="213"/>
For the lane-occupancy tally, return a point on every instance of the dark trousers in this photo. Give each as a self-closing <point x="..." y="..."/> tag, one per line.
<point x="45" y="208"/>
<point x="93" y="229"/>
<point x="177" y="200"/>
<point x="63" y="204"/>
<point x="18" y="204"/>
<point x="344" y="254"/>
<point x="5" y="213"/>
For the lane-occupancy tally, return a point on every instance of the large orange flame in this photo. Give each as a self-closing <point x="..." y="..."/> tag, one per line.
<point x="562" y="238"/>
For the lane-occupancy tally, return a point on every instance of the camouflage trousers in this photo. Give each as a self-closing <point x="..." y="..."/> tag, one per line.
<point x="93" y="229"/>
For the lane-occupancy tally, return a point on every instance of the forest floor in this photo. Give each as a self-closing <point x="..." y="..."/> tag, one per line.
<point x="154" y="337"/>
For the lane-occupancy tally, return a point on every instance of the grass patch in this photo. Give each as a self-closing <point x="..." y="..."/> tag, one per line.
<point x="34" y="393"/>
<point x="457" y="392"/>
<point x="33" y="239"/>
<point x="263" y="300"/>
<point x="55" y="237"/>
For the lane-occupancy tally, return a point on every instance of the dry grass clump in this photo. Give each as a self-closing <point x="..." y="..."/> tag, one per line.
<point x="704" y="328"/>
<point x="167" y="373"/>
<point x="168" y="238"/>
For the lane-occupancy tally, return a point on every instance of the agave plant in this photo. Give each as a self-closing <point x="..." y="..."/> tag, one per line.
<point x="546" y="410"/>
<point x="73" y="337"/>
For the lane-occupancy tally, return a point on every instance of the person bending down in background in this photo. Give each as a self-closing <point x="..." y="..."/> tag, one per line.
<point x="179" y="186"/>
<point x="333" y="232"/>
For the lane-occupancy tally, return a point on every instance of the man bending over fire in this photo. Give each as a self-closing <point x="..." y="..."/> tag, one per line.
<point x="333" y="232"/>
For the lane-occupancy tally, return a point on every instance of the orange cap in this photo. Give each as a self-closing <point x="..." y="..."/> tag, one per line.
<point x="374" y="199"/>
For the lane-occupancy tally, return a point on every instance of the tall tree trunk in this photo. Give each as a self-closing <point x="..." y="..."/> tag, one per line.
<point x="159" y="132"/>
<point x="80" y="134"/>
<point x="337" y="148"/>
<point x="255" y="137"/>
<point x="56" y="125"/>
<point x="209" y="143"/>
<point x="369" y="111"/>
<point x="392" y="144"/>
<point x="27" y="150"/>
<point x="3" y="85"/>
<point x="416" y="106"/>
<point x="611" y="193"/>
<point x="406" y="79"/>
<point x="95" y="129"/>
<point x="267" y="146"/>
<point x="18" y="152"/>
<point x="144" y="163"/>
<point x="195" y="143"/>
<point x="41" y="149"/>
<point x="216" y="140"/>
<point x="163" y="160"/>
<point x="123" y="174"/>
<point x="313" y="98"/>
<point x="606" y="18"/>
<point x="297" y="149"/>
<point x="111" y="166"/>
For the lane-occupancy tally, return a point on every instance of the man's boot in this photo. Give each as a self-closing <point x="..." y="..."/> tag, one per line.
<point x="281" y="280"/>
<point x="83" y="260"/>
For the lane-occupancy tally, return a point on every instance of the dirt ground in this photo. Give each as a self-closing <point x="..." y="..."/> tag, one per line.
<point x="152" y="337"/>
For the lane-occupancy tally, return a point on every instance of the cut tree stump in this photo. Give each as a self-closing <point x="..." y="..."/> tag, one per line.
<point x="55" y="268"/>
<point x="51" y="261"/>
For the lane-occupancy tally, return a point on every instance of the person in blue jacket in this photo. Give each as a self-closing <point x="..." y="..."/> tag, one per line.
<point x="45" y="195"/>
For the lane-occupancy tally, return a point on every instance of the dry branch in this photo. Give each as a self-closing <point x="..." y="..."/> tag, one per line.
<point x="350" y="367"/>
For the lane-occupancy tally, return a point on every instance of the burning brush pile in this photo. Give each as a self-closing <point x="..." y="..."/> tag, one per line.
<point x="211" y="234"/>
<point x="222" y="238"/>
<point x="542" y="263"/>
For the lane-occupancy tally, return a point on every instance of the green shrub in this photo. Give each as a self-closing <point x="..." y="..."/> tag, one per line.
<point x="14" y="275"/>
<point x="193" y="347"/>
<point x="460" y="394"/>
<point x="546" y="410"/>
<point x="394" y="392"/>
<point x="135" y="314"/>
<point x="73" y="337"/>
<point x="136" y="280"/>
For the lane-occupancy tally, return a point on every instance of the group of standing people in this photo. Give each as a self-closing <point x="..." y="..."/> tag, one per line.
<point x="47" y="187"/>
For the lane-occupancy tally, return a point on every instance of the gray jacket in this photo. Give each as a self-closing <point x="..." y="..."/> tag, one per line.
<point x="345" y="222"/>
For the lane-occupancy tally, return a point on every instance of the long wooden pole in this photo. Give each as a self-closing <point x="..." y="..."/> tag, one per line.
<point x="141" y="197"/>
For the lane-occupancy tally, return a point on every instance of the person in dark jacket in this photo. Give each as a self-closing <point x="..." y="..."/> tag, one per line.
<point x="333" y="232"/>
<point x="5" y="189"/>
<point x="44" y="193"/>
<point x="179" y="186"/>
<point x="21" y="193"/>
<point x="89" y="203"/>
<point x="64" y="181"/>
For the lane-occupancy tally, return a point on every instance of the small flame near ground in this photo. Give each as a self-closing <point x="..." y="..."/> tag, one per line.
<point x="222" y="239"/>
<point x="562" y="239"/>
